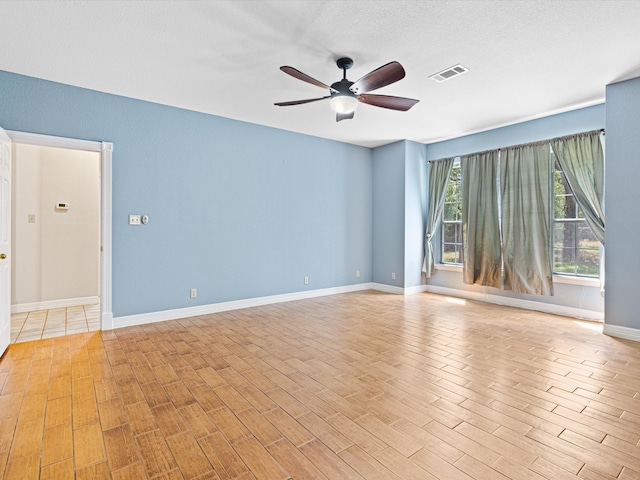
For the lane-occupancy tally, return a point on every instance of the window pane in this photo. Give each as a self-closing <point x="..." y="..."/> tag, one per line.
<point x="450" y="232"/>
<point x="459" y="233"/>
<point x="586" y="238"/>
<point x="450" y="253"/>
<point x="452" y="220"/>
<point x="587" y="262"/>
<point x="565" y="207"/>
<point x="564" y="260"/>
<point x="449" y="214"/>
<point x="564" y="235"/>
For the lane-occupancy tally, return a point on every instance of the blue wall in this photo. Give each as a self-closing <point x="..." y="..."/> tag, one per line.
<point x="582" y="120"/>
<point x="388" y="214"/>
<point x="236" y="210"/>
<point x="415" y="212"/>
<point x="622" y="171"/>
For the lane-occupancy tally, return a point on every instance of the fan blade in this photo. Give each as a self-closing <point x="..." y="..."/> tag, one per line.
<point x="304" y="77"/>
<point x="344" y="116"/>
<point x="300" y="102"/>
<point x="380" y="77"/>
<point x="387" y="101"/>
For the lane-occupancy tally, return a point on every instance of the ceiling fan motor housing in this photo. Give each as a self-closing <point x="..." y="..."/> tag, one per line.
<point x="344" y="63"/>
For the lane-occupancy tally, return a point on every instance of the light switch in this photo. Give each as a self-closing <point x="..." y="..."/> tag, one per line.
<point x="31" y="218"/>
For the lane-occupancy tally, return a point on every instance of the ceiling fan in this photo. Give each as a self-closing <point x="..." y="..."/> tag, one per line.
<point x="345" y="94"/>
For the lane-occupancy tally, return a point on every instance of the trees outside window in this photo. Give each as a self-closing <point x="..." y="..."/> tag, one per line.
<point x="452" y="219"/>
<point x="576" y="250"/>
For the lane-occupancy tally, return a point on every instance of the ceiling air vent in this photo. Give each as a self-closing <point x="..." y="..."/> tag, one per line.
<point x="449" y="73"/>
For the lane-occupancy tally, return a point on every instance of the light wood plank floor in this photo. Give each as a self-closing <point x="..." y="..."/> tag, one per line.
<point x="361" y="385"/>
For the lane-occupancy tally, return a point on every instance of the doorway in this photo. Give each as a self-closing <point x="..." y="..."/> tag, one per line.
<point x="61" y="232"/>
<point x="56" y="241"/>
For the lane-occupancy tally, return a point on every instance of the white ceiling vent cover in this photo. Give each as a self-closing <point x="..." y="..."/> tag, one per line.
<point x="449" y="73"/>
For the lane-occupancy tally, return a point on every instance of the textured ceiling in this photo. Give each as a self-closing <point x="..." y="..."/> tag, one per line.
<point x="526" y="59"/>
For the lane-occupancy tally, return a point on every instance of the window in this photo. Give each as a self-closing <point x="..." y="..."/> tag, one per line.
<point x="452" y="219"/>
<point x="576" y="250"/>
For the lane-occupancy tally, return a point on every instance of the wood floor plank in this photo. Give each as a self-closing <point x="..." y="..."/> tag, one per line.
<point x="366" y="465"/>
<point x="328" y="462"/>
<point x="293" y="461"/>
<point x="58" y="411"/>
<point x="88" y="446"/>
<point x="121" y="447"/>
<point x="141" y="418"/>
<point x="155" y="453"/>
<point x="58" y="470"/>
<point x="402" y="466"/>
<point x="260" y="461"/>
<point x="191" y="460"/>
<point x="437" y="466"/>
<point x="93" y="471"/>
<point x="226" y="462"/>
<point x="57" y="444"/>
<point x="293" y="430"/>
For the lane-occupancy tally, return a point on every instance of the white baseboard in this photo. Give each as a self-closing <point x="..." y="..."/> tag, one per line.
<point x="621" y="332"/>
<point x="381" y="287"/>
<point x="109" y="321"/>
<point x="49" y="304"/>
<point x="106" y="321"/>
<point x="520" y="303"/>
<point x="144" y="318"/>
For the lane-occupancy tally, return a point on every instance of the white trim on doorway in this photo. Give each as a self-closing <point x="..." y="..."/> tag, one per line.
<point x="106" y="150"/>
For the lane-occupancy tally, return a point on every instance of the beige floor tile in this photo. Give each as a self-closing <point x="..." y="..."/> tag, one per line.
<point x="56" y="322"/>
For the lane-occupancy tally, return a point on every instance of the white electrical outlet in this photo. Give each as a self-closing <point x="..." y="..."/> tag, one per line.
<point x="357" y="273"/>
<point x="393" y="275"/>
<point x="194" y="293"/>
<point x="306" y="280"/>
<point x="134" y="219"/>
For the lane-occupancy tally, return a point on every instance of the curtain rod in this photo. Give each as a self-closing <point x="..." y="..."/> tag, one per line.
<point x="530" y="144"/>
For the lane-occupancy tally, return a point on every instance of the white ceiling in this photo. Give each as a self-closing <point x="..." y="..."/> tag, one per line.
<point x="527" y="59"/>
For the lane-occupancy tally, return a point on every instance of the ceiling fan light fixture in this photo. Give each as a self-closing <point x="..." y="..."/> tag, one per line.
<point x="343" y="103"/>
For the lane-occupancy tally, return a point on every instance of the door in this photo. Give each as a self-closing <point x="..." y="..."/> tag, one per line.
<point x="5" y="241"/>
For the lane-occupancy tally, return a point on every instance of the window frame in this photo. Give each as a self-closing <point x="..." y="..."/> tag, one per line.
<point x="576" y="220"/>
<point x="456" y="166"/>
<point x="574" y="277"/>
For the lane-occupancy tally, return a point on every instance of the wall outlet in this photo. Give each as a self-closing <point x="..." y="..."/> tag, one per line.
<point x="393" y="275"/>
<point x="357" y="273"/>
<point x="306" y="280"/>
<point x="134" y="219"/>
<point x="193" y="293"/>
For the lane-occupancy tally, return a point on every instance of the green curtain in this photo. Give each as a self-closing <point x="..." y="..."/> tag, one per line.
<point x="582" y="162"/>
<point x="526" y="210"/>
<point x="439" y="172"/>
<point x="480" y="224"/>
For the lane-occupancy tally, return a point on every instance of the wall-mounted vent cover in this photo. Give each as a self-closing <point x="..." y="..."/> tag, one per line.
<point x="449" y="73"/>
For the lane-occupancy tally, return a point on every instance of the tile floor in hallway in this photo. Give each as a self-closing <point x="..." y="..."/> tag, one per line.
<point x="54" y="322"/>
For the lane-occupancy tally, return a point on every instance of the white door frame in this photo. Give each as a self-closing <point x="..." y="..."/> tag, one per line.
<point x="105" y="149"/>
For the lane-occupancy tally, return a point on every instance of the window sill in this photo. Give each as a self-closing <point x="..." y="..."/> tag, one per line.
<point x="566" y="279"/>
<point x="449" y="268"/>
<point x="569" y="280"/>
